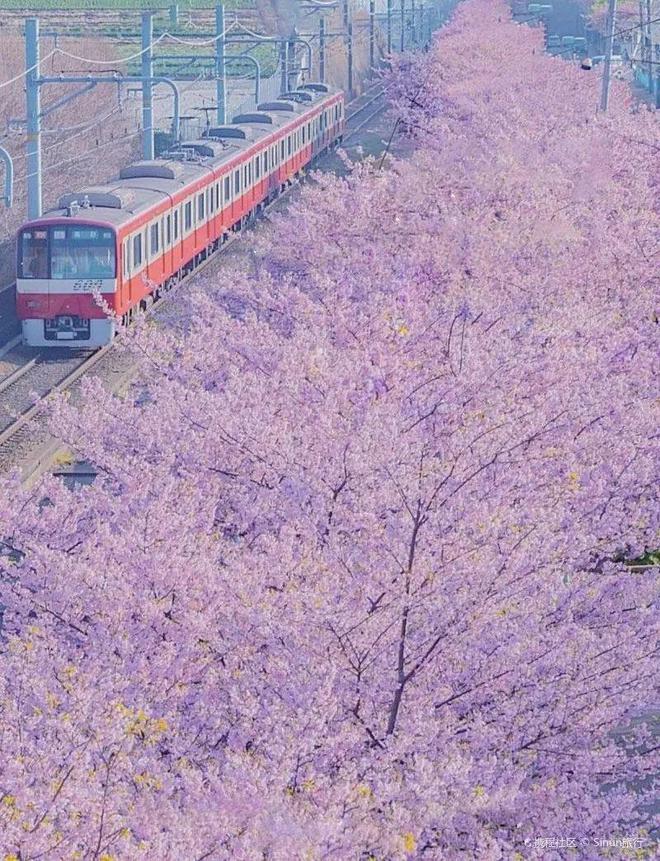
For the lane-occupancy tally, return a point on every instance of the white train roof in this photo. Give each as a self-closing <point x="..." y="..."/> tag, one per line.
<point x="143" y="185"/>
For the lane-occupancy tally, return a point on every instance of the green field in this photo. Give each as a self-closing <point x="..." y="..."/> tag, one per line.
<point x="105" y="5"/>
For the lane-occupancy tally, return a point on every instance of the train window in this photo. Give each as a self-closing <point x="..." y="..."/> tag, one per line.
<point x="187" y="216"/>
<point x="246" y="177"/>
<point x="154" y="239"/>
<point x="201" y="208"/>
<point x="303" y="134"/>
<point x="210" y="200"/>
<point x="266" y="162"/>
<point x="33" y="257"/>
<point x="217" y="195"/>
<point x="176" y="224"/>
<point x="257" y="167"/>
<point x="168" y="230"/>
<point x="282" y="151"/>
<point x="227" y="189"/>
<point x="137" y="251"/>
<point x="237" y="182"/>
<point x="82" y="252"/>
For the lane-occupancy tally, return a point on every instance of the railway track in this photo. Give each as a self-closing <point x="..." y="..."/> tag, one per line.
<point x="46" y="374"/>
<point x="371" y="98"/>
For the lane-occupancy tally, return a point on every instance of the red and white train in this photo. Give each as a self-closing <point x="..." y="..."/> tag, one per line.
<point x="132" y="238"/>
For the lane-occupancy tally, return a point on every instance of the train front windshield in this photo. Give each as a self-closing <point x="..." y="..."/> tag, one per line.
<point x="63" y="252"/>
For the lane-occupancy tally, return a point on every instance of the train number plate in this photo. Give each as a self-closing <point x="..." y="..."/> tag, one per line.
<point x="87" y="285"/>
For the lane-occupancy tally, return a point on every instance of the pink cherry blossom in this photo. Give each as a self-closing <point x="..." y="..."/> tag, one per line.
<point x="351" y="582"/>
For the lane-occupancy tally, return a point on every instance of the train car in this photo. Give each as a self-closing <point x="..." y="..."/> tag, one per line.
<point x="87" y="267"/>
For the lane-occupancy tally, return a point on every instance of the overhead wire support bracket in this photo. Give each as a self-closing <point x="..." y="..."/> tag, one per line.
<point x="65" y="99"/>
<point x="8" y="196"/>
<point x="115" y="79"/>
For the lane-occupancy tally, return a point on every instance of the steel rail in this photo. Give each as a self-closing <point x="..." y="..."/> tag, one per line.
<point x="16" y="375"/>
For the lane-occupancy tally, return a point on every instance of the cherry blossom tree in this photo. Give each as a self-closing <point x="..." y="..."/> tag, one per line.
<point x="351" y="582"/>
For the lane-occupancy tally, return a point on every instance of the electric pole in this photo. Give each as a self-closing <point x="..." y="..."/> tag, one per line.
<point x="389" y="27"/>
<point x="648" y="43"/>
<point x="322" y="49"/>
<point x="611" y="23"/>
<point x="220" y="88"/>
<point x="372" y="35"/>
<point x="348" y="29"/>
<point x="33" y="103"/>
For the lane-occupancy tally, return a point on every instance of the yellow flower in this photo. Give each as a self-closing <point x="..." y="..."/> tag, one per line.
<point x="409" y="842"/>
<point x="107" y="857"/>
<point x="148" y="781"/>
<point x="52" y="700"/>
<point x="403" y="330"/>
<point x="308" y="785"/>
<point x="479" y="791"/>
<point x="574" y="480"/>
<point x="363" y="790"/>
<point x="159" y="725"/>
<point x="125" y="833"/>
<point x="9" y="801"/>
<point x="11" y="857"/>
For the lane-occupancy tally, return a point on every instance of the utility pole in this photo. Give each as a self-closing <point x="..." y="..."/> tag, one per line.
<point x="348" y="29"/>
<point x="284" y="62"/>
<point x="220" y="88"/>
<point x="413" y="34"/>
<point x="322" y="49"/>
<point x="372" y="35"/>
<point x="611" y="23"/>
<point x="147" y="89"/>
<point x="33" y="103"/>
<point x="648" y="40"/>
<point x="403" y="25"/>
<point x="350" y="59"/>
<point x="389" y="27"/>
<point x="291" y="64"/>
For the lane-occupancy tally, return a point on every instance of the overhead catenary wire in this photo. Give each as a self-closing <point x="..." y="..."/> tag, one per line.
<point x="92" y="61"/>
<point x="28" y="70"/>
<point x="90" y="154"/>
<point x="617" y="33"/>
